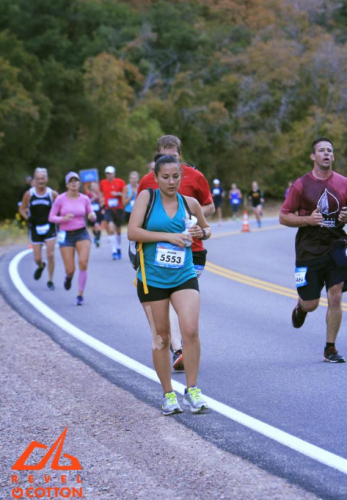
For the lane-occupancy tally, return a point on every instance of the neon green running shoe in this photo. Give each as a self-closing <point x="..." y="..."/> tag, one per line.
<point x="195" y="400"/>
<point x="170" y="404"/>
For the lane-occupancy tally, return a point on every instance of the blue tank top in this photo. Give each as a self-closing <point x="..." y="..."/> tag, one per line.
<point x="167" y="266"/>
<point x="235" y="198"/>
<point x="128" y="208"/>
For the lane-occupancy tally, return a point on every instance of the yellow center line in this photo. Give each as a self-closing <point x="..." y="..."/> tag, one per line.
<point x="239" y="231"/>
<point x="257" y="283"/>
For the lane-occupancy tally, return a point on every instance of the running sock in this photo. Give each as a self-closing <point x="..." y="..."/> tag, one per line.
<point x="112" y="240"/>
<point x="82" y="278"/>
<point x="329" y="344"/>
<point x="119" y="241"/>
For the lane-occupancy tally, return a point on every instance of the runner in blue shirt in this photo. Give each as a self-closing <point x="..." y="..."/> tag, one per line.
<point x="129" y="194"/>
<point x="235" y="197"/>
<point x="170" y="276"/>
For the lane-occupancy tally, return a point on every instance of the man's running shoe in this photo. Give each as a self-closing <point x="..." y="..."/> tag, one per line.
<point x="298" y="317"/>
<point x="96" y="242"/>
<point x="67" y="282"/>
<point x="170" y="404"/>
<point x="331" y="355"/>
<point x="50" y="285"/>
<point x="178" y="361"/>
<point x="39" y="271"/>
<point x="114" y="255"/>
<point x="119" y="254"/>
<point x="79" y="300"/>
<point x="194" y="399"/>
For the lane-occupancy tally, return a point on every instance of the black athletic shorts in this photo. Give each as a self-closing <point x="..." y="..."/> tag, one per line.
<point x="98" y="220"/>
<point x="115" y="215"/>
<point x="42" y="233"/>
<point x="320" y="272"/>
<point x="155" y="294"/>
<point x="127" y="216"/>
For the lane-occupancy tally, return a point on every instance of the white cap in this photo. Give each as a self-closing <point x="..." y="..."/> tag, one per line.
<point x="71" y="175"/>
<point x="110" y="170"/>
<point x="216" y="181"/>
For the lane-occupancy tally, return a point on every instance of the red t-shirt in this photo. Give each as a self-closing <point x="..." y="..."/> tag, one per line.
<point x="106" y="187"/>
<point x="193" y="184"/>
<point x="329" y="195"/>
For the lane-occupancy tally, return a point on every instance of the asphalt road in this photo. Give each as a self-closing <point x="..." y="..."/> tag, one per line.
<point x="252" y="359"/>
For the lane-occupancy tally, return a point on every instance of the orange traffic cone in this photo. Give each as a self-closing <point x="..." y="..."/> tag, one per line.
<point x="245" y="223"/>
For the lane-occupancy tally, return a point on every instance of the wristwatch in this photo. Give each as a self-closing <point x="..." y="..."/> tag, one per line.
<point x="203" y="234"/>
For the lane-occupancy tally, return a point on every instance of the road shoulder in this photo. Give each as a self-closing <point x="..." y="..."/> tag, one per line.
<point x="127" y="449"/>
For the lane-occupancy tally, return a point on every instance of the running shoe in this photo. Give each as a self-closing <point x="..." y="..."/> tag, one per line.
<point x="67" y="282"/>
<point x="178" y="361"/>
<point x="170" y="404"/>
<point x="119" y="254"/>
<point x="50" y="285"/>
<point x="331" y="355"/>
<point x="39" y="271"/>
<point x="114" y="255"/>
<point x="193" y="398"/>
<point x="298" y="317"/>
<point x="97" y="242"/>
<point x="79" y="300"/>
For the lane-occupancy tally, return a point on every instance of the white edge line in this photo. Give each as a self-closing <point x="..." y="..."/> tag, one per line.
<point x="297" y="444"/>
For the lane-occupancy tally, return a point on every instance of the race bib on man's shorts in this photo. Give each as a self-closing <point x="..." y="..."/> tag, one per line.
<point x="300" y="276"/>
<point x="41" y="230"/>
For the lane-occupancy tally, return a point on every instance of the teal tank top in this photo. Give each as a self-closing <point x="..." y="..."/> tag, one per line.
<point x="167" y="266"/>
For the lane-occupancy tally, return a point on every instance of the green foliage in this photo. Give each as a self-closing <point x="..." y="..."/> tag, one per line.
<point x="246" y="85"/>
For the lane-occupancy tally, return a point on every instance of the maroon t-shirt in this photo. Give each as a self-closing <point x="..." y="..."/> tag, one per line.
<point x="329" y="195"/>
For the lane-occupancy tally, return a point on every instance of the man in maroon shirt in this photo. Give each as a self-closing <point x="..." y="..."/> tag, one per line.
<point x="193" y="184"/>
<point x="316" y="204"/>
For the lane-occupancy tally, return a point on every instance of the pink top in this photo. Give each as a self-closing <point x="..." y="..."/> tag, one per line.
<point x="63" y="205"/>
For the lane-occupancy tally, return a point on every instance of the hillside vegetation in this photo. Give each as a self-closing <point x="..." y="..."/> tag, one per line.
<point x="246" y="84"/>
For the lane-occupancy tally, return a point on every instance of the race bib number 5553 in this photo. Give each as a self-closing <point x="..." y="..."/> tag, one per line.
<point x="168" y="255"/>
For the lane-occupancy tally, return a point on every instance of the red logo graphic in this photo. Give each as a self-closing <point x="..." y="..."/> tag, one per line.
<point x="21" y="465"/>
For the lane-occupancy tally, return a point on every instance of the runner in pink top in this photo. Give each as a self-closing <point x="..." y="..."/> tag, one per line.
<point x="77" y="207"/>
<point x="69" y="211"/>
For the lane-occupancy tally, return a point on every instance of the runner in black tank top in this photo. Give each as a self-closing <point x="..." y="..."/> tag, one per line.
<point x="35" y="208"/>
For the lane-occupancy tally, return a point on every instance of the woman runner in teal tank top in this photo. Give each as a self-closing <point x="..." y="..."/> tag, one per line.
<point x="171" y="278"/>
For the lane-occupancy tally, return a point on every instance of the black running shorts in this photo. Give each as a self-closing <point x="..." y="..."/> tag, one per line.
<point x="156" y="294"/>
<point x="320" y="272"/>
<point x="41" y="233"/>
<point x="115" y="215"/>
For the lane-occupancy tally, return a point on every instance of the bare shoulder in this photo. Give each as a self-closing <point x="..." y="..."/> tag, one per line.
<point x="192" y="202"/>
<point x="143" y="196"/>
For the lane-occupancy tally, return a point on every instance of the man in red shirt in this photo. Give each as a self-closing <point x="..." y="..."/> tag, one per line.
<point x="112" y="188"/>
<point x="316" y="204"/>
<point x="193" y="184"/>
